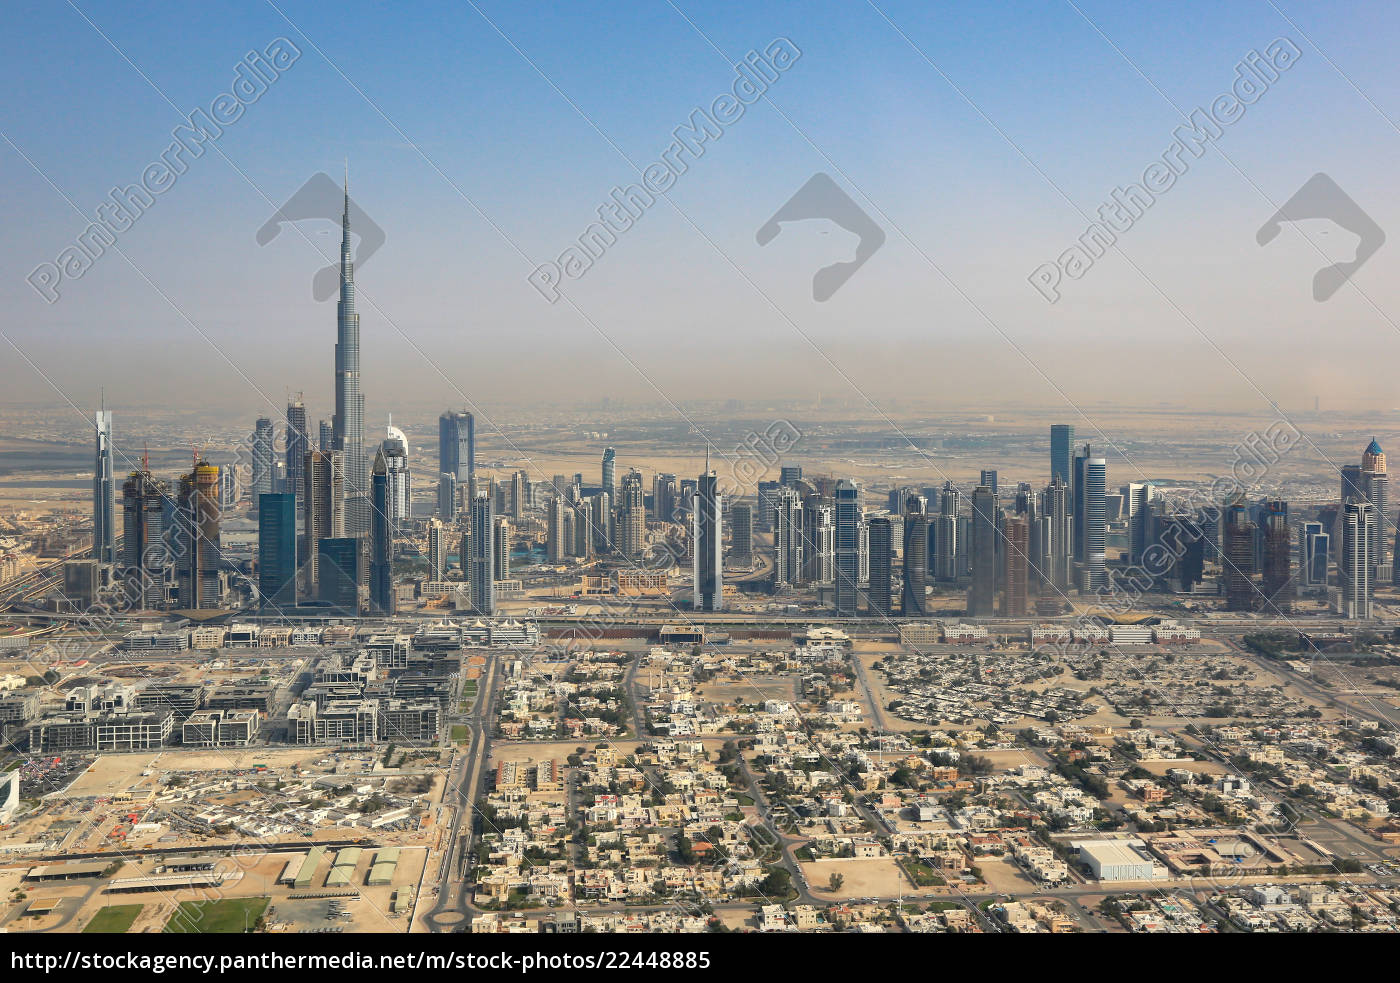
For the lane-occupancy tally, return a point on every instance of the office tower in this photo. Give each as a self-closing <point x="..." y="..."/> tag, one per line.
<point x="787" y="536"/>
<point x="197" y="538"/>
<point x="1017" y="549"/>
<point x="298" y="443"/>
<point x="500" y="562"/>
<point x="1061" y="440"/>
<point x="609" y="488"/>
<point x="1315" y="545"/>
<point x="847" y="548"/>
<point x="1237" y="559"/>
<point x="381" y="534"/>
<point x="104" y="493"/>
<point x="915" y="558"/>
<point x="790" y="475"/>
<point x="1028" y="507"/>
<point x="1375" y="485"/>
<point x="767" y="505"/>
<point x="663" y="497"/>
<point x="599" y="514"/>
<point x="1184" y="543"/>
<point x="323" y="509"/>
<point x="398" y="482"/>
<point x="518" y="494"/>
<point x="818" y="540"/>
<point x="143" y="552"/>
<point x="1277" y="566"/>
<point x="457" y="446"/>
<point x="325" y="437"/>
<point x="228" y="487"/>
<point x="1135" y="498"/>
<point x="943" y="557"/>
<point x="1058" y="547"/>
<point x="279" y="475"/>
<point x="741" y="534"/>
<point x="263" y="440"/>
<point x="878" y="594"/>
<point x="989" y="479"/>
<point x="482" y="520"/>
<point x="863" y="550"/>
<point x="707" y="535"/>
<point x="556" y="541"/>
<point x="981" y="595"/>
<point x="277" y="552"/>
<point x="1352" y="488"/>
<point x="1211" y="518"/>
<point x="1094" y="522"/>
<point x="437" y="550"/>
<point x="1354" y="564"/>
<point x="583" y="529"/>
<point x="1076" y="502"/>
<point x="348" y="422"/>
<point x="338" y="586"/>
<point x="447" y="497"/>
<point x="631" y="516"/>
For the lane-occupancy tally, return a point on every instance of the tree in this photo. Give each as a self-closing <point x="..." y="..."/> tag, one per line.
<point x="835" y="881"/>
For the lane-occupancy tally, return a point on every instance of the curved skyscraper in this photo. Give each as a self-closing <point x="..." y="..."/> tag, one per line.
<point x="348" y="424"/>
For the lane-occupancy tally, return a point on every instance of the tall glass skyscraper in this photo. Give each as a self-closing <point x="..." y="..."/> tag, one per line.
<point x="298" y="443"/>
<point x="381" y="541"/>
<point x="847" y="548"/>
<point x="1061" y="440"/>
<point x="104" y="493"/>
<point x="707" y="530"/>
<point x="457" y="446"/>
<point x="263" y="440"/>
<point x="277" y="551"/>
<point x="481" y="542"/>
<point x="348" y="424"/>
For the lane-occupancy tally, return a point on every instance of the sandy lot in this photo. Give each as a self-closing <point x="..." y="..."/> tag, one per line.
<point x="863" y="878"/>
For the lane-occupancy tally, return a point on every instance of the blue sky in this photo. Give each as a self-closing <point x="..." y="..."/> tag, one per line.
<point x="465" y="148"/>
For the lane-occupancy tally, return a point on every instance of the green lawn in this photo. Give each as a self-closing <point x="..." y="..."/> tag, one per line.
<point x="459" y="734"/>
<point x="113" y="919"/>
<point x="210" y="917"/>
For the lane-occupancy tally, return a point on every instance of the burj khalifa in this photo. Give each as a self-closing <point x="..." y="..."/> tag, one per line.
<point x="349" y="420"/>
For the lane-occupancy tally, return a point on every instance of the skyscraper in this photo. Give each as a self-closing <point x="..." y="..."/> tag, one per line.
<point x="790" y="475"/>
<point x="631" y="516"/>
<point x="398" y="482"/>
<point x="707" y="534"/>
<point x="277" y="552"/>
<point x="500" y="560"/>
<point x="989" y="478"/>
<point x="298" y="443"/>
<point x="878" y="594"/>
<point x="1237" y="559"/>
<point x="1094" y="521"/>
<point x="447" y="497"/>
<point x="556" y="539"/>
<point x="482" y="522"/>
<point x="519" y="492"/>
<point x="1314" y="545"/>
<point x="1277" y="567"/>
<point x="609" y="488"/>
<point x="663" y="497"/>
<point x="1059" y="532"/>
<point x="323" y="509"/>
<point x="1135" y="498"/>
<point x="104" y="493"/>
<point x="741" y="534"/>
<point x="915" y="558"/>
<point x="981" y="595"/>
<point x="325" y="436"/>
<point x="263" y="440"/>
<point x="339" y="573"/>
<point x="1017" y="546"/>
<point x="847" y="548"/>
<point x="1061" y="440"/>
<point x="1354" y="565"/>
<point x="348" y="423"/>
<point x="1375" y="483"/>
<point x="197" y="538"/>
<point x="787" y="536"/>
<point x="381" y="538"/>
<point x="457" y="445"/>
<point x="144" y="556"/>
<point x="437" y="550"/>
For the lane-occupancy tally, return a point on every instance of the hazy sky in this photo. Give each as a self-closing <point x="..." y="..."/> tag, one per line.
<point x="482" y="138"/>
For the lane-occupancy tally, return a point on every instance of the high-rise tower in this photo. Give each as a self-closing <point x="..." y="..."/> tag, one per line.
<point x="348" y="424"/>
<point x="104" y="494"/>
<point x="298" y="443"/>
<point x="707" y="530"/>
<point x="847" y="548"/>
<point x="1061" y="440"/>
<point x="631" y="516"/>
<point x="381" y="540"/>
<point x="197" y="538"/>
